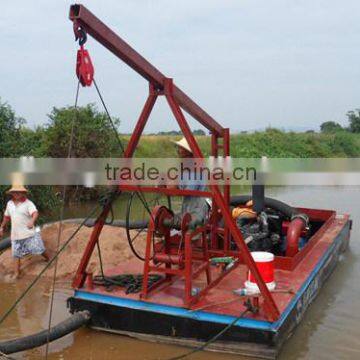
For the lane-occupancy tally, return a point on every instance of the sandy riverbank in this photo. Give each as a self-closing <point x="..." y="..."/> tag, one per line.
<point x="114" y="249"/>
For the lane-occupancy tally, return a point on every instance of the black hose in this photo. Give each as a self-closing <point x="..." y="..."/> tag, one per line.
<point x="29" y="342"/>
<point x="285" y="209"/>
<point x="5" y="244"/>
<point x="137" y="224"/>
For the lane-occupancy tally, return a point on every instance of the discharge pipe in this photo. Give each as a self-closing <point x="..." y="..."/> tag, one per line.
<point x="298" y="224"/>
<point x="66" y="327"/>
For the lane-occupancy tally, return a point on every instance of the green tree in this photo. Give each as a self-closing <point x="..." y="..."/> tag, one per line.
<point x="354" y="120"/>
<point x="17" y="140"/>
<point x="10" y="126"/>
<point x="32" y="142"/>
<point x="330" y="127"/>
<point x="93" y="135"/>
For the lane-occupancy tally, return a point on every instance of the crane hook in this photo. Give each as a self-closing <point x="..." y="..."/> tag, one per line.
<point x="80" y="34"/>
<point x="84" y="67"/>
<point x="82" y="37"/>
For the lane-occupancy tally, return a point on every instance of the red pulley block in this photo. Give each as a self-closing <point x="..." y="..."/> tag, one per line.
<point x="84" y="67"/>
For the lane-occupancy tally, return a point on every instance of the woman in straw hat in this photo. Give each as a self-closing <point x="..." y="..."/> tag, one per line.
<point x="24" y="239"/>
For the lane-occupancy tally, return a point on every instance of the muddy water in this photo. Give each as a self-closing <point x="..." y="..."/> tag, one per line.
<point x="329" y="330"/>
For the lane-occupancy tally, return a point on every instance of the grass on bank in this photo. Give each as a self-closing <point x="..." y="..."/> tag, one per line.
<point x="271" y="143"/>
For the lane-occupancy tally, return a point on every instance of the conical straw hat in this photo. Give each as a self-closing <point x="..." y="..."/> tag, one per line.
<point x="17" y="188"/>
<point x="17" y="181"/>
<point x="183" y="143"/>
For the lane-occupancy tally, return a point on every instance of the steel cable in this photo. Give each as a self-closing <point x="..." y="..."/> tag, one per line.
<point x="61" y="219"/>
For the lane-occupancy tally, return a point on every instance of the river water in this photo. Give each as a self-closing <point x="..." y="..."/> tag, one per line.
<point x="329" y="330"/>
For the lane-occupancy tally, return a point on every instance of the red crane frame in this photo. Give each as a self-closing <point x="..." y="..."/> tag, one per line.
<point x="160" y="85"/>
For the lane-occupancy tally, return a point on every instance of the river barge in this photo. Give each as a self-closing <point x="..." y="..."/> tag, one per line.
<point x="163" y="317"/>
<point x="191" y="286"/>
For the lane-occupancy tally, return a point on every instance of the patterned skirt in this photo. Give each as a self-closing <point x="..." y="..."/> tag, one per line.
<point x="33" y="245"/>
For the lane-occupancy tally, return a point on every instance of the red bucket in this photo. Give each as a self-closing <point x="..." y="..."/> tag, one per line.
<point x="265" y="264"/>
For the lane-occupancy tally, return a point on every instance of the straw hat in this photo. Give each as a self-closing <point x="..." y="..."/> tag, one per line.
<point x="183" y="143"/>
<point x="17" y="188"/>
<point x="17" y="179"/>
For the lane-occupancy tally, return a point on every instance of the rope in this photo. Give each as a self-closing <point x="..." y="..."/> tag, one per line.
<point x="213" y="339"/>
<point x="100" y="260"/>
<point x="216" y="304"/>
<point x="131" y="282"/>
<point x="61" y="221"/>
<point x="73" y="120"/>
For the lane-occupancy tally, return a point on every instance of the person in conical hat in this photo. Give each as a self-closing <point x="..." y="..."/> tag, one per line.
<point x="22" y="213"/>
<point x="198" y="207"/>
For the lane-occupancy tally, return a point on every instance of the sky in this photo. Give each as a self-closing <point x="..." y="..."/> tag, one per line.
<point x="249" y="63"/>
